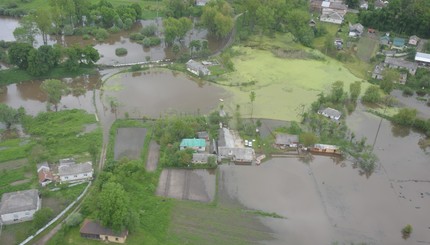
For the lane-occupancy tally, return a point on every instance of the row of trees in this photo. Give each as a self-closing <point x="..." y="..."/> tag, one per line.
<point x="40" y="61"/>
<point x="414" y="16"/>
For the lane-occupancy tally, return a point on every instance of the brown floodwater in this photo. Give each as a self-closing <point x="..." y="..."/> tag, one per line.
<point x="412" y="102"/>
<point x="106" y="48"/>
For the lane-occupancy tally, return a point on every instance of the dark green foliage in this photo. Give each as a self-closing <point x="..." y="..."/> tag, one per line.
<point x="9" y="115"/>
<point x="42" y="60"/>
<point x="217" y="17"/>
<point x="355" y="91"/>
<point x="372" y="95"/>
<point x="41" y="217"/>
<point x="405" y="117"/>
<point x="18" y="54"/>
<point x="408" y="91"/>
<point x="113" y="206"/>
<point x="120" y="51"/>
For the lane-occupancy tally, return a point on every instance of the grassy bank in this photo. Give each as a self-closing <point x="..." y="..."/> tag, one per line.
<point x="283" y="86"/>
<point x="16" y="75"/>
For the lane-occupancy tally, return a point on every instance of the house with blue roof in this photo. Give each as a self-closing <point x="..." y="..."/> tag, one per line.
<point x="195" y="144"/>
<point x="398" y="43"/>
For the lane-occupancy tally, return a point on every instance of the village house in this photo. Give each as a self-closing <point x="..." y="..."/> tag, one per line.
<point x="377" y="72"/>
<point x="325" y="149"/>
<point x="422" y="58"/>
<point x="195" y="144"/>
<point x="398" y="43"/>
<point x="70" y="171"/>
<point x="94" y="230"/>
<point x="202" y="158"/>
<point x="413" y="40"/>
<point x="197" y="68"/>
<point x="20" y="206"/>
<point x="203" y="135"/>
<point x="228" y="149"/>
<point x="286" y="140"/>
<point x="385" y="40"/>
<point x="331" y="16"/>
<point x="356" y="30"/>
<point x="44" y="173"/>
<point x="330" y="113"/>
<point x="379" y="4"/>
<point x="399" y="63"/>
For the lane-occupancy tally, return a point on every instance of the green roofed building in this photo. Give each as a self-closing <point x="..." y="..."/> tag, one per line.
<point x="195" y="144"/>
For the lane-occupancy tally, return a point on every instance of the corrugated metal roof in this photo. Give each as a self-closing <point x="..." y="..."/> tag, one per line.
<point x="422" y="57"/>
<point x="193" y="143"/>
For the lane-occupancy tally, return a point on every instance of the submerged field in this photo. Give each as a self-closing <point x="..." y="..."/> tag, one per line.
<point x="283" y="86"/>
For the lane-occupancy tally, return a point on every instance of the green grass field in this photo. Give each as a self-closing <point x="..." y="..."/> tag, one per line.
<point x="367" y="48"/>
<point x="12" y="149"/>
<point x="282" y="86"/>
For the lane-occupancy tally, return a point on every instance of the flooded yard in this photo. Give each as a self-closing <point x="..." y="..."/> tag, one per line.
<point x="187" y="184"/>
<point x="129" y="143"/>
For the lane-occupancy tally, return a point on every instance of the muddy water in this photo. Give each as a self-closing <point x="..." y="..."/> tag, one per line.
<point x="412" y="102"/>
<point x="29" y="95"/>
<point x="106" y="48"/>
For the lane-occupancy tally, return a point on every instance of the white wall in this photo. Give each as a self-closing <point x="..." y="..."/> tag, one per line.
<point x="21" y="216"/>
<point x="82" y="176"/>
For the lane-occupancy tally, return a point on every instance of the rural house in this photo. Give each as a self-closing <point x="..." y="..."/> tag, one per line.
<point x="331" y="16"/>
<point x="399" y="63"/>
<point x="398" y="43"/>
<point x="197" y="68"/>
<point x="94" y="230"/>
<point x="356" y="30"/>
<point x="202" y="158"/>
<point x="385" y="40"/>
<point x="422" y="58"/>
<point x="286" y="140"/>
<point x="330" y="113"/>
<point x="69" y="171"/>
<point x="20" y="206"/>
<point x="413" y="40"/>
<point x="195" y="144"/>
<point x="44" y="173"/>
<point x="325" y="149"/>
<point x="201" y="2"/>
<point x="377" y="72"/>
<point x="229" y="149"/>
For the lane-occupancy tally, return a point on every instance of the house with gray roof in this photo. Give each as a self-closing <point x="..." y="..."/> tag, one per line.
<point x="202" y="158"/>
<point x="331" y="16"/>
<point x="400" y="63"/>
<point x="286" y="140"/>
<point x="377" y="72"/>
<point x="237" y="154"/>
<point x="92" y="229"/>
<point x="422" y="58"/>
<point x="330" y="113"/>
<point x="20" y="206"/>
<point x="75" y="172"/>
<point x="197" y="68"/>
<point x="356" y="30"/>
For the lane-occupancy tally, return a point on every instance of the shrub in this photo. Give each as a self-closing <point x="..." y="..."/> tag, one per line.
<point x="420" y="92"/>
<point x="114" y="29"/>
<point x="68" y="30"/>
<point x="406" y="231"/>
<point x="86" y="37"/>
<point x="149" y="30"/>
<point x="135" y="67"/>
<point x="151" y="41"/>
<point x="136" y="36"/>
<point x="101" y="34"/>
<point x="408" y="91"/>
<point x="121" y="51"/>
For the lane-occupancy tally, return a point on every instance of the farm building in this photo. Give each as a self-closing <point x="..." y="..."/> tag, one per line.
<point x="94" y="230"/>
<point x="422" y="58"/>
<point x="286" y="140"/>
<point x="75" y="172"/>
<point x="236" y="154"/>
<point x="331" y="16"/>
<point x="356" y="30"/>
<point x="195" y="144"/>
<point x="202" y="158"/>
<point x="377" y="72"/>
<point x="399" y="63"/>
<point x="326" y="149"/>
<point x="413" y="40"/>
<point x="398" y="43"/>
<point x="385" y="40"/>
<point x="20" y="206"/>
<point x="330" y="113"/>
<point x="197" y="68"/>
<point x="44" y="173"/>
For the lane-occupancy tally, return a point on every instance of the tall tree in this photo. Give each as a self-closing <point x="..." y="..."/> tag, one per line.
<point x="217" y="17"/>
<point x="18" y="54"/>
<point x="354" y="90"/>
<point x="9" y="115"/>
<point x="390" y="76"/>
<point x="54" y="89"/>
<point x="337" y="93"/>
<point x="112" y="206"/>
<point x="27" y="31"/>
<point x="252" y="99"/>
<point x="42" y="19"/>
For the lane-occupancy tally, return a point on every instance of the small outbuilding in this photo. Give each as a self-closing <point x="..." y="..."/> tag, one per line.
<point x="197" y="68"/>
<point x="44" y="173"/>
<point x="330" y="113"/>
<point x="202" y="158"/>
<point x="422" y="58"/>
<point x="286" y="140"/>
<point x="356" y="30"/>
<point x="94" y="230"/>
<point x="19" y="206"/>
<point x="385" y="40"/>
<point x="325" y="149"/>
<point x="413" y="40"/>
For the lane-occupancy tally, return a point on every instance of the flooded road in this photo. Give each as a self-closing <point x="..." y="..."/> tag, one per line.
<point x="106" y="48"/>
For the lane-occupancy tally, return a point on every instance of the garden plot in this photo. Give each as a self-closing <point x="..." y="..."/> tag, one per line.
<point x="187" y="184"/>
<point x="129" y="143"/>
<point x="153" y="156"/>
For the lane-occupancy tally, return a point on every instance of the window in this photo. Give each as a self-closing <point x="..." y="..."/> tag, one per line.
<point x="75" y="176"/>
<point x="116" y="239"/>
<point x="85" y="175"/>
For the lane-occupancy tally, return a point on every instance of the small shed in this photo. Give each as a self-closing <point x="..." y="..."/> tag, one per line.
<point x="325" y="149"/>
<point x="330" y="113"/>
<point x="94" y="230"/>
<point x="286" y="140"/>
<point x="413" y="40"/>
<point x="203" y="135"/>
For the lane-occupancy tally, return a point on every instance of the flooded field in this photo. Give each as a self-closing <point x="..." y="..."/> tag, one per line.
<point x="413" y="102"/>
<point x="187" y="184"/>
<point x="129" y="143"/>
<point x="106" y="48"/>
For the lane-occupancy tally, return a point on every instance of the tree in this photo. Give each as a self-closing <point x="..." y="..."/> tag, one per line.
<point x="54" y="89"/>
<point x="112" y="206"/>
<point x="27" y="31"/>
<point x="252" y="99"/>
<point x="9" y="115"/>
<point x="175" y="28"/>
<point x="42" y="60"/>
<point x="43" y="21"/>
<point x="18" y="54"/>
<point x="308" y="139"/>
<point x="405" y="117"/>
<point x="372" y="94"/>
<point x="41" y="217"/>
<point x="352" y="3"/>
<point x="387" y="83"/>
<point x="217" y="17"/>
<point x="337" y="93"/>
<point x="355" y="90"/>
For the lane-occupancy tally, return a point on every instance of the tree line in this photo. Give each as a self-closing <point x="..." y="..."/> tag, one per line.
<point x="401" y="16"/>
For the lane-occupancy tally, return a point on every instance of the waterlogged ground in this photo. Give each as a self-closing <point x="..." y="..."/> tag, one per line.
<point x="282" y="86"/>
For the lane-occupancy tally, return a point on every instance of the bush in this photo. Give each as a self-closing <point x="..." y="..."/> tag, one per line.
<point x="101" y="34"/>
<point x="114" y="29"/>
<point x="406" y="231"/>
<point x="421" y="92"/>
<point x="135" y="67"/>
<point x="41" y="217"/>
<point x="136" y="36"/>
<point x="86" y="37"/>
<point x="151" y="41"/>
<point x="408" y="91"/>
<point x="149" y="30"/>
<point x="121" y="51"/>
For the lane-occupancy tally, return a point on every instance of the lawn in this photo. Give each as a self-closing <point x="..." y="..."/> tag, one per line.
<point x="282" y="86"/>
<point x="12" y="149"/>
<point x="367" y="48"/>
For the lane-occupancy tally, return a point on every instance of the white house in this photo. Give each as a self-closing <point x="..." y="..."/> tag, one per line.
<point x="197" y="68"/>
<point x="331" y="113"/>
<point x="20" y="206"/>
<point x="73" y="172"/>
